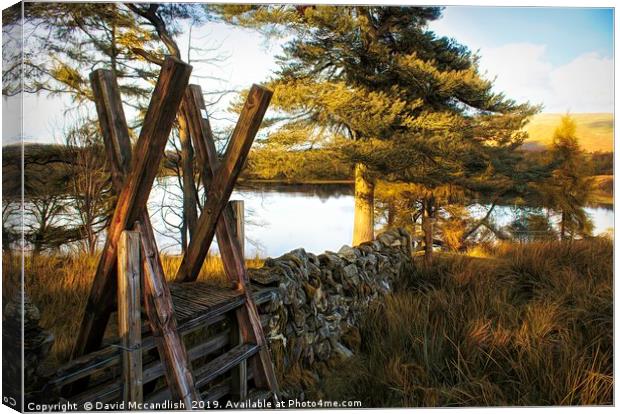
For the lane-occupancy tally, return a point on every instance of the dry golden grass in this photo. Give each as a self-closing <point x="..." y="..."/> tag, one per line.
<point x="59" y="285"/>
<point x="533" y="325"/>
<point x="521" y="325"/>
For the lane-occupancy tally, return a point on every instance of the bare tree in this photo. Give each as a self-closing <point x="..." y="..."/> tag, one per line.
<point x="89" y="188"/>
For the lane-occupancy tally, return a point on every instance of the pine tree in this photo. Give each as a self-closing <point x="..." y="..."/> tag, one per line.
<point x="396" y="99"/>
<point x="569" y="188"/>
<point x="65" y="41"/>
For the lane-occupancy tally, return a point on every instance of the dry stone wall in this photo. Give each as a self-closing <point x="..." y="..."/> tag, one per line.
<point x="320" y="298"/>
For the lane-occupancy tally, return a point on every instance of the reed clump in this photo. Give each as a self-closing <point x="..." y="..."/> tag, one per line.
<point x="530" y="324"/>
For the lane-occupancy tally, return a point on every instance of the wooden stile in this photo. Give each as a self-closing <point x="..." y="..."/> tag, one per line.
<point x="158" y="301"/>
<point x="129" y="321"/>
<point x="132" y="199"/>
<point x="121" y="254"/>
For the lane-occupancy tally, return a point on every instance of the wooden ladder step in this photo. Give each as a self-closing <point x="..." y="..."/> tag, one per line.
<point x="212" y="370"/>
<point x="110" y="391"/>
<point x="217" y="391"/>
<point x="224" y="363"/>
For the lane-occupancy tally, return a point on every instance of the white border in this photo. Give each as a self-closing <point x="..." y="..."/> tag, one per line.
<point x="488" y="3"/>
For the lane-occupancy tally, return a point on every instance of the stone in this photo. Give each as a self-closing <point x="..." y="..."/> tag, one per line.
<point x="349" y="253"/>
<point x="330" y="260"/>
<point x="350" y="272"/>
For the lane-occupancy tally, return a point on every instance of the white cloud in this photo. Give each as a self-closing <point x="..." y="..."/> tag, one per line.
<point x="586" y="82"/>
<point x="524" y="73"/>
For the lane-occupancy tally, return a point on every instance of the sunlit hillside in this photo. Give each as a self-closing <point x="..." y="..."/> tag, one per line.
<point x="595" y="131"/>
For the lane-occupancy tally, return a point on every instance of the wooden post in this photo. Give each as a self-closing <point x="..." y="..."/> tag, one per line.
<point x="238" y="211"/>
<point x="132" y="199"/>
<point x="222" y="184"/>
<point x="113" y="124"/>
<point x="159" y="308"/>
<point x="129" y="321"/>
<point x="239" y="374"/>
<point x="230" y="249"/>
<point x="158" y="301"/>
<point x="190" y="196"/>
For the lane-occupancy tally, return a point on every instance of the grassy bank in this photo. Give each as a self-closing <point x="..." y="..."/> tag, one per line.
<point x="526" y="325"/>
<point x="603" y="189"/>
<point x="523" y="325"/>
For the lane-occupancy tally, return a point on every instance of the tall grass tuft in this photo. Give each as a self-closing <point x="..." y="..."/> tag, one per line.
<point x="530" y="325"/>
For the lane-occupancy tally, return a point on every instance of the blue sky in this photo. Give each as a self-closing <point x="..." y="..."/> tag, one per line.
<point x="567" y="32"/>
<point x="561" y="58"/>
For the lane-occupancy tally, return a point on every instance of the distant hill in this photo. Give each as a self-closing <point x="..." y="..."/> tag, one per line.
<point x="595" y="131"/>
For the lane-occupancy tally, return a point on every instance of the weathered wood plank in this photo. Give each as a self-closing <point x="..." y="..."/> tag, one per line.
<point x="158" y="121"/>
<point x="190" y="196"/>
<point x="224" y="363"/>
<point x="238" y="214"/>
<point x="222" y="184"/>
<point x="160" y="311"/>
<point x="112" y="123"/>
<point x="209" y="318"/>
<point x="212" y="345"/>
<point x="112" y="390"/>
<point x="200" y="133"/>
<point x="129" y="321"/>
<point x="239" y="374"/>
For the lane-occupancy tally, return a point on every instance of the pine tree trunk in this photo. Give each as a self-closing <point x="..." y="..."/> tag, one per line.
<point x="391" y="214"/>
<point x="563" y="226"/>
<point x="190" y="213"/>
<point x="92" y="242"/>
<point x="428" y="213"/>
<point x="364" y="218"/>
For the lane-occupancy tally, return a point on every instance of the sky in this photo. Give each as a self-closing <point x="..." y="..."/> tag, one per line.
<point x="561" y="58"/>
